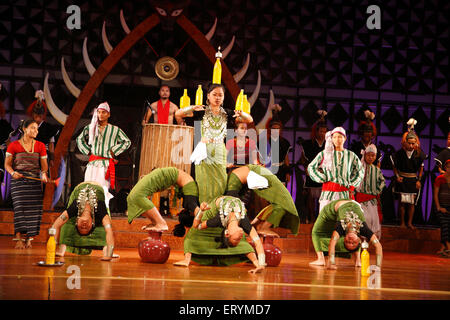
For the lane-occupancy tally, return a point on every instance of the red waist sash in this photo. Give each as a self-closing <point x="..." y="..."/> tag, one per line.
<point x="110" y="172"/>
<point x="336" y="187"/>
<point x="363" y="197"/>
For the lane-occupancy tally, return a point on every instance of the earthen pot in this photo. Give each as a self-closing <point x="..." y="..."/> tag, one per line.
<point x="153" y="249"/>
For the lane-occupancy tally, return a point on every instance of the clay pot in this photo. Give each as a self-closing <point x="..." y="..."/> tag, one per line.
<point x="273" y="253"/>
<point x="153" y="249"/>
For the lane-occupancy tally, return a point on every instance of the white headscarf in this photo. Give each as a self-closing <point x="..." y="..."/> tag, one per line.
<point x="327" y="162"/>
<point x="370" y="148"/>
<point x="93" y="126"/>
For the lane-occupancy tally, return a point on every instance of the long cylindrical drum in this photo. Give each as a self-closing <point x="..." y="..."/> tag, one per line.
<point x="166" y="145"/>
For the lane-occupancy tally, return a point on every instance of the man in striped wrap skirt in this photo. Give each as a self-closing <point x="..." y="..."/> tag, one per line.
<point x="369" y="190"/>
<point x="104" y="142"/>
<point x="339" y="170"/>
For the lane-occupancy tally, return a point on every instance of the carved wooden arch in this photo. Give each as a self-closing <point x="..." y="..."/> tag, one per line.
<point x="105" y="68"/>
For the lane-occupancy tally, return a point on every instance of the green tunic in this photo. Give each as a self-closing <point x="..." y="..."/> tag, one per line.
<point x="75" y="243"/>
<point x="204" y="244"/>
<point x="277" y="195"/>
<point x="158" y="180"/>
<point x="326" y="223"/>
<point x="347" y="172"/>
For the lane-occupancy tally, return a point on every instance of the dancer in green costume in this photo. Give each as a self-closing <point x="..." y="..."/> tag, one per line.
<point x="280" y="213"/>
<point x="85" y="224"/>
<point x="228" y="213"/>
<point x="158" y="180"/>
<point x="209" y="157"/>
<point x="341" y="218"/>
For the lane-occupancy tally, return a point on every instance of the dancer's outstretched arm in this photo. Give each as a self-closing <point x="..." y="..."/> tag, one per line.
<point x="259" y="263"/>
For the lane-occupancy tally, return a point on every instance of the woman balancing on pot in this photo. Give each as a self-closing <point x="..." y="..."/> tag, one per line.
<point x="228" y="213"/>
<point x="210" y="158"/>
<point x="158" y="180"/>
<point x="26" y="162"/>
<point x="281" y="212"/>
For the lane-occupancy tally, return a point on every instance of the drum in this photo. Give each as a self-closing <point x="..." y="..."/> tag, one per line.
<point x="166" y="145"/>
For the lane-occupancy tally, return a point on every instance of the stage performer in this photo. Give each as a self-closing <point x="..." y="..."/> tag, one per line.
<point x="163" y="110"/>
<point x="157" y="180"/>
<point x="311" y="149"/>
<point x="104" y="142"/>
<point x="85" y="224"/>
<point x="338" y="169"/>
<point x="342" y="218"/>
<point x="278" y="148"/>
<point x="47" y="132"/>
<point x="210" y="161"/>
<point x="241" y="150"/>
<point x="27" y="157"/>
<point x="408" y="165"/>
<point x="367" y="133"/>
<point x="229" y="214"/>
<point x="441" y="197"/>
<point x="281" y="212"/>
<point x="443" y="156"/>
<point x="368" y="192"/>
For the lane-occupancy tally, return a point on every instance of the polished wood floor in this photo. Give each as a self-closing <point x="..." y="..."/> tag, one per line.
<point x="404" y="276"/>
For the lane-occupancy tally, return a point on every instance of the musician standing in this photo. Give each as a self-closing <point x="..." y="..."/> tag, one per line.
<point x="163" y="110"/>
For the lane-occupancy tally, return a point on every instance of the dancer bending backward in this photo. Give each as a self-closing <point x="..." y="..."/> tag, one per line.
<point x="86" y="223"/>
<point x="339" y="170"/>
<point x="158" y="180"/>
<point x="228" y="213"/>
<point x="342" y="218"/>
<point x="281" y="212"/>
<point x="210" y="158"/>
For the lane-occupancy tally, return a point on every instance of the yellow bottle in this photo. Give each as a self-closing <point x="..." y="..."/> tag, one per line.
<point x="240" y="100"/>
<point x="185" y="101"/>
<point x="199" y="96"/>
<point x="246" y="105"/>
<point x="51" y="247"/>
<point x="217" y="71"/>
<point x="365" y="260"/>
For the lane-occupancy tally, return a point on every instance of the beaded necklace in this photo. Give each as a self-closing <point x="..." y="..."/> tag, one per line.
<point x="214" y="128"/>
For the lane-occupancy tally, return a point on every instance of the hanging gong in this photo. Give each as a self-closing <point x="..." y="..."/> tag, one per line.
<point x="167" y="68"/>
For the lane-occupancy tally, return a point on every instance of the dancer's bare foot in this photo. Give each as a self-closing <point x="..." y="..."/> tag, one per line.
<point x="318" y="262"/>
<point x="146" y="227"/>
<point x="20" y="244"/>
<point x="157" y="228"/>
<point x="403" y="226"/>
<point x="182" y="263"/>
<point x="28" y="243"/>
<point x="410" y="226"/>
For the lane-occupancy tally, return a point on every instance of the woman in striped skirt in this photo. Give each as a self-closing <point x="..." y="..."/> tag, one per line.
<point x="339" y="170"/>
<point x="442" y="201"/>
<point x="27" y="158"/>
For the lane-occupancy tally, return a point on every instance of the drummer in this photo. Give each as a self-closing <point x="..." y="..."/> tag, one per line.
<point x="163" y="110"/>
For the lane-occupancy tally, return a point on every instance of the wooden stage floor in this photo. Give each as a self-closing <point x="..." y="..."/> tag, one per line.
<point x="403" y="276"/>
